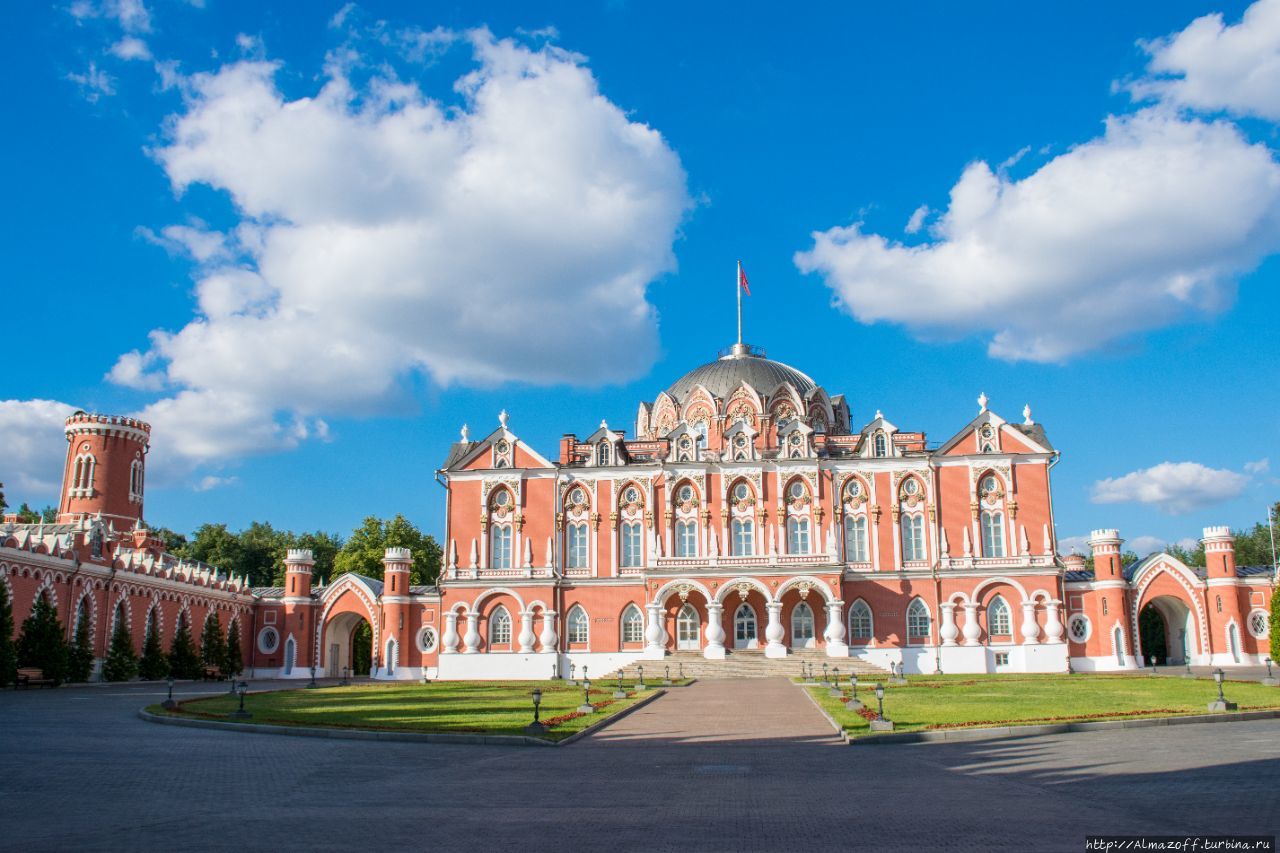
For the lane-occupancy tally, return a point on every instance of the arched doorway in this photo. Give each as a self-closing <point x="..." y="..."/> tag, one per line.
<point x="802" y="635"/>
<point x="688" y="629"/>
<point x="744" y="627"/>
<point x="348" y="642"/>
<point x="1166" y="628"/>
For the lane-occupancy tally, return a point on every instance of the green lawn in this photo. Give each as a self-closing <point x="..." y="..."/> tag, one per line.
<point x="964" y="701"/>
<point x="472" y="707"/>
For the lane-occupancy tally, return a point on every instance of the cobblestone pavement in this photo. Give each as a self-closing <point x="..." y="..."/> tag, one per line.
<point x="732" y="765"/>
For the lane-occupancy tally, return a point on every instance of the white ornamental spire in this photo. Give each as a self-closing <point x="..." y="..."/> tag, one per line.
<point x="1026" y="415"/>
<point x="466" y="433"/>
<point x="982" y="402"/>
<point x="502" y="418"/>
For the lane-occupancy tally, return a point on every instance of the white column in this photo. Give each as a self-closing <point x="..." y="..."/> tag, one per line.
<point x="654" y="634"/>
<point x="526" y="631"/>
<point x="714" y="649"/>
<point x="971" y="629"/>
<point x="1030" y="628"/>
<point x="834" y="633"/>
<point x="1052" y="624"/>
<point x="773" y="632"/>
<point x="949" y="631"/>
<point x="450" y="637"/>
<point x="549" y="638"/>
<point x="472" y="638"/>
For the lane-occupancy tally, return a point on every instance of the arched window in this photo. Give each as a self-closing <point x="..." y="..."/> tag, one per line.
<point x="500" y="553"/>
<point x="992" y="533"/>
<point x="602" y="453"/>
<point x="290" y="655"/>
<point x="500" y="627"/>
<point x="632" y="625"/>
<point x="135" y="479"/>
<point x="918" y="621"/>
<point x="797" y="535"/>
<point x="632" y="549"/>
<point x="1233" y="642"/>
<point x="744" y="537"/>
<point x="577" y="627"/>
<point x="913" y="537"/>
<point x="1118" y="638"/>
<point x="82" y="479"/>
<point x="393" y="656"/>
<point x="687" y="538"/>
<point x="998" y="623"/>
<point x="700" y="431"/>
<point x="575" y="552"/>
<point x="802" y="627"/>
<point x="881" y="446"/>
<point x="855" y="538"/>
<point x="860" y="627"/>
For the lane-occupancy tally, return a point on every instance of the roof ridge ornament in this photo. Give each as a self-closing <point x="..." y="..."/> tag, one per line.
<point x="982" y="402"/>
<point x="465" y="432"/>
<point x="502" y="418"/>
<point x="1026" y="415"/>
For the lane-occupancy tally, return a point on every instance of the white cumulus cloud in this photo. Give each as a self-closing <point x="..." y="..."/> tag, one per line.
<point x="511" y="238"/>
<point x="131" y="47"/>
<point x="1144" y="545"/>
<point x="1212" y="66"/>
<point x="1172" y="487"/>
<point x="1147" y="225"/>
<point x="35" y="448"/>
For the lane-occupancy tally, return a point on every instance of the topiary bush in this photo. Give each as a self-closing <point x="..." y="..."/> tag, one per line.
<point x="184" y="661"/>
<point x="122" y="662"/>
<point x="155" y="663"/>
<point x="8" y="652"/>
<point x="80" y="656"/>
<point x="41" y="643"/>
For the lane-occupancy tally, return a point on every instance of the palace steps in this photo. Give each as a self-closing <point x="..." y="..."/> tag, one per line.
<point x="751" y="663"/>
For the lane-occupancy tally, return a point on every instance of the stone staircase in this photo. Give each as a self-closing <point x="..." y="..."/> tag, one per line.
<point x="751" y="663"/>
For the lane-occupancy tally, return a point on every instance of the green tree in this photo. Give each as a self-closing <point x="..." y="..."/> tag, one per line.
<point x="27" y="515"/>
<point x="174" y="543"/>
<point x="122" y="662"/>
<point x="264" y="549"/>
<point x="80" y="657"/>
<point x="1275" y="624"/>
<point x="184" y="661"/>
<point x="8" y="653"/>
<point x="41" y="643"/>
<point x="216" y="545"/>
<point x="3" y="503"/>
<point x="213" y="649"/>
<point x="233" y="663"/>
<point x="154" y="664"/>
<point x="363" y="551"/>
<point x="324" y="548"/>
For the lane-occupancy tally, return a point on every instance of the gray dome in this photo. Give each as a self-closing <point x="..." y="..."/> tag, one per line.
<point x="723" y="376"/>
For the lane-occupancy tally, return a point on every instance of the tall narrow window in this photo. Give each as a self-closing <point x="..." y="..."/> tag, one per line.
<point x="918" y="620"/>
<point x="913" y="537"/>
<point x="744" y="537"/>
<point x="686" y="538"/>
<point x="602" y="456"/>
<point x="992" y="533"/>
<point x="576" y="546"/>
<point x="797" y="535"/>
<point x="632" y="550"/>
<point x="632" y="625"/>
<point x="881" y="446"/>
<point x="998" y="623"/>
<point x="501" y="556"/>
<point x="500" y="627"/>
<point x="855" y="538"/>
<point x="576" y="629"/>
<point x="860" y="631"/>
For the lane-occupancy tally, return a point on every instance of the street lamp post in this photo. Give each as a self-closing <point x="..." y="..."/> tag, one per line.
<point x="666" y="681"/>
<point x="573" y="680"/>
<point x="619" y="693"/>
<point x="1154" y="670"/>
<point x="313" y="675"/>
<point x="345" y="671"/>
<point x="585" y="707"/>
<point x="1270" y="680"/>
<point x="240" y="713"/>
<point x="824" y="674"/>
<point x="168" y="704"/>
<point x="835" y="690"/>
<point x="854" y="703"/>
<point x="537" y="727"/>
<point x="1221" y="704"/>
<point x="640" y="677"/>
<point x="881" y="723"/>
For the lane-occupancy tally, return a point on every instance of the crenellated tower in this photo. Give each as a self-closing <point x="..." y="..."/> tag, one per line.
<point x="105" y="471"/>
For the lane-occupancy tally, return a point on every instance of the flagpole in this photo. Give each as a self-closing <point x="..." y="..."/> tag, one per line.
<point x="737" y="286"/>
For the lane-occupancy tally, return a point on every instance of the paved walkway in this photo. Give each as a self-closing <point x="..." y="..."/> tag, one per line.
<point x="715" y="771"/>
<point x="727" y="710"/>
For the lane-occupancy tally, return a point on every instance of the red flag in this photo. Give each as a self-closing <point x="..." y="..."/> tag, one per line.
<point x="742" y="280"/>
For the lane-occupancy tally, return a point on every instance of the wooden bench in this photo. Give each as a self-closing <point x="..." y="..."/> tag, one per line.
<point x="29" y="676"/>
<point x="213" y="674"/>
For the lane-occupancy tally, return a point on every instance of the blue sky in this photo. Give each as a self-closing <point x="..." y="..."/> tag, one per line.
<point x="319" y="346"/>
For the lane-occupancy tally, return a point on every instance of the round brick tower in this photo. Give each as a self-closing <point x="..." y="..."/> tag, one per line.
<point x="105" y="470"/>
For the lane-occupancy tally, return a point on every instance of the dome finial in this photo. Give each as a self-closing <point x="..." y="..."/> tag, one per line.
<point x="502" y="418"/>
<point x="1026" y="415"/>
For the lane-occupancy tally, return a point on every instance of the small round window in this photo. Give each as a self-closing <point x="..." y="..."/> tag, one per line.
<point x="1078" y="628"/>
<point x="502" y="498"/>
<point x="795" y="491"/>
<point x="989" y="485"/>
<point x="685" y="495"/>
<point x="1259" y="623"/>
<point x="910" y="487"/>
<point x="631" y="496"/>
<point x="427" y="640"/>
<point x="577" y="496"/>
<point x="268" y="640"/>
<point x="853" y="489"/>
<point x="741" y="492"/>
